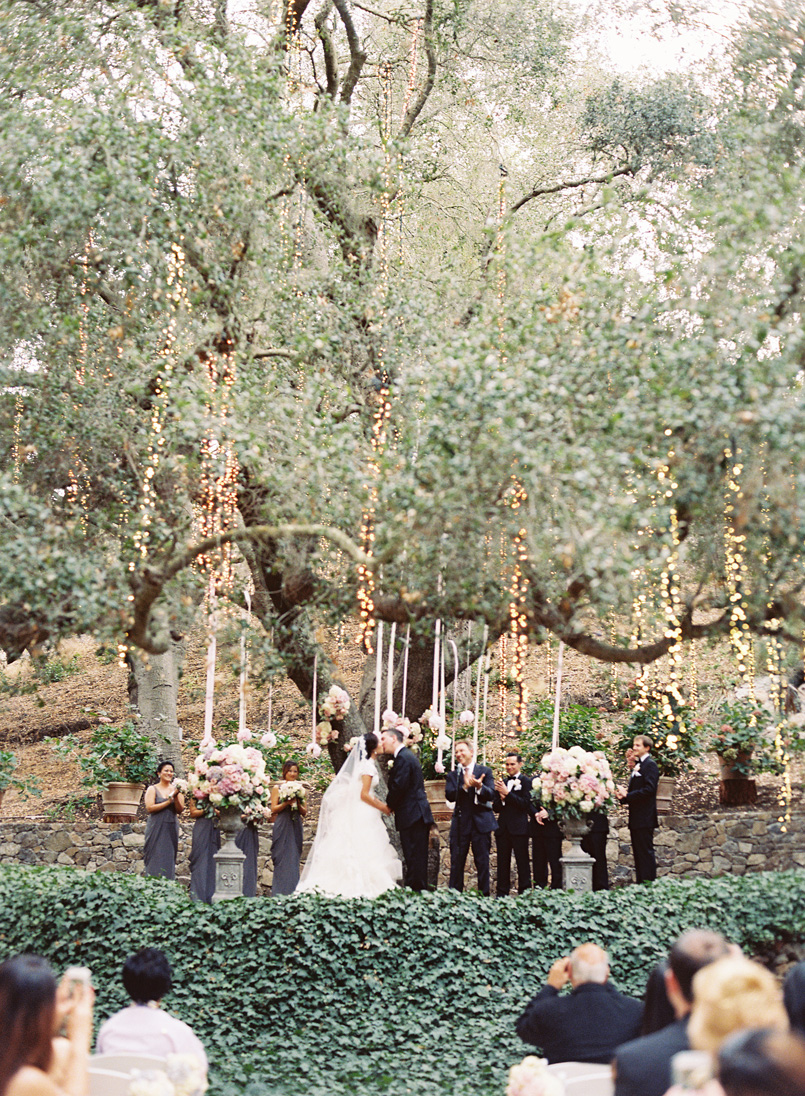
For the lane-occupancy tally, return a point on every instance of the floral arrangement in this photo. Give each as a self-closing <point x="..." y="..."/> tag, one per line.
<point x="182" y="1076"/>
<point x="335" y="705"/>
<point x="293" y="791"/>
<point x="531" y="1078"/>
<point x="230" y="776"/>
<point x="744" y="737"/>
<point x="573" y="783"/>
<point x="429" y="747"/>
<point x="673" y="728"/>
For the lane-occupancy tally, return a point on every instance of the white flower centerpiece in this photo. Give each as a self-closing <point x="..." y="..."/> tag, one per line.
<point x="182" y="1076"/>
<point x="232" y="776"/>
<point x="573" y="783"/>
<point x="531" y="1078"/>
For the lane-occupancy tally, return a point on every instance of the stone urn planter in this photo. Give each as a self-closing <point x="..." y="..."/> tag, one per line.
<point x="121" y="800"/>
<point x="229" y="859"/>
<point x="577" y="866"/>
<point x="441" y="810"/>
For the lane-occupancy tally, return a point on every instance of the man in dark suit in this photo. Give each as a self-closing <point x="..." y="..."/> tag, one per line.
<point x="514" y="806"/>
<point x="547" y="849"/>
<point x="472" y="788"/>
<point x="641" y="800"/>
<point x="412" y="814"/>
<point x="587" y="1024"/>
<point x="643" y="1067"/>
<point x="594" y="843"/>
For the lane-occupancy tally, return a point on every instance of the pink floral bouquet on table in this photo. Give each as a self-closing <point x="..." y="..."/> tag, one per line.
<point x="573" y="783"/>
<point x="230" y="776"/>
<point x="531" y="1078"/>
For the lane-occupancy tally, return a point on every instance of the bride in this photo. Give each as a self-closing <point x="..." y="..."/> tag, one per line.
<point x="351" y="855"/>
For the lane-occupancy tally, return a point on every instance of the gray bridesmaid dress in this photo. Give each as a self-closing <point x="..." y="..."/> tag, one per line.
<point x="161" y="841"/>
<point x="206" y="842"/>
<point x="286" y="851"/>
<point x="247" y="841"/>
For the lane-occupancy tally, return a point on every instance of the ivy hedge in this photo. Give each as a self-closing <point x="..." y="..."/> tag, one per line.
<point x="402" y="995"/>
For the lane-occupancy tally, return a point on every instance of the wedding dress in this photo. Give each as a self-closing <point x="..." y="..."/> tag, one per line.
<point x="351" y="855"/>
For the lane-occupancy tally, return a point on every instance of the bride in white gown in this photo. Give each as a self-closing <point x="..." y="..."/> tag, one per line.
<point x="351" y="855"/>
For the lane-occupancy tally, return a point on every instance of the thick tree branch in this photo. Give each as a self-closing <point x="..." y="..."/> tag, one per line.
<point x="330" y="58"/>
<point x="415" y="108"/>
<point x="357" y="53"/>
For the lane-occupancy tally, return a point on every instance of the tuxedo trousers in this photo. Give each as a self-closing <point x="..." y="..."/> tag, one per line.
<point x="547" y="850"/>
<point x="414" y="841"/>
<point x="595" y="845"/>
<point x="461" y="841"/>
<point x="508" y="843"/>
<point x="645" y="862"/>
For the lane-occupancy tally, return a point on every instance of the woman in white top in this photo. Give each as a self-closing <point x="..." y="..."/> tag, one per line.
<point x="351" y="855"/>
<point x="144" y="1027"/>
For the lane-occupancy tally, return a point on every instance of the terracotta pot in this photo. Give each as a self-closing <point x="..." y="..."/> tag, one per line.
<point x="441" y="811"/>
<point x="665" y="793"/>
<point x="120" y="801"/>
<point x="729" y="769"/>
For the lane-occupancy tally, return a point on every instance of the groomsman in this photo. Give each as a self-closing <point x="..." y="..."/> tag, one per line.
<point x="514" y="807"/>
<point x="472" y="788"/>
<point x="641" y="800"/>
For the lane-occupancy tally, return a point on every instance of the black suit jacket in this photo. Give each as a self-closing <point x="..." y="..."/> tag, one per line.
<point x="515" y="810"/>
<point x="643" y="1067"/>
<point x="641" y="795"/>
<point x="585" y="1026"/>
<point x="473" y="808"/>
<point x="406" y="791"/>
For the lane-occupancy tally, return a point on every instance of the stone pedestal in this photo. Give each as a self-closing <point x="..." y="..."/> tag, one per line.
<point x="577" y="866"/>
<point x="229" y="859"/>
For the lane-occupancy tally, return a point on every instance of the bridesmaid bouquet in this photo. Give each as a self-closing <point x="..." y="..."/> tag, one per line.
<point x="573" y="783"/>
<point x="293" y="790"/>
<point x="230" y="776"/>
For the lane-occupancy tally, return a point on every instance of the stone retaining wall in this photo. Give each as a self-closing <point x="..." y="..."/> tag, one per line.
<point x="734" y="842"/>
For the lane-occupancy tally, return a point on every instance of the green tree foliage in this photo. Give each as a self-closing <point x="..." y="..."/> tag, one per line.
<point x="387" y="257"/>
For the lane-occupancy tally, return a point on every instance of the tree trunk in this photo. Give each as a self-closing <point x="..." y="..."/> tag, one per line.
<point x="153" y="693"/>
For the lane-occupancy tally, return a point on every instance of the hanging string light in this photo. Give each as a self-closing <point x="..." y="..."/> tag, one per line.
<point x="518" y="621"/>
<point x="735" y="565"/>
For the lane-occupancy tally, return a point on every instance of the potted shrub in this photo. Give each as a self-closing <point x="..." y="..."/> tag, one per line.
<point x="118" y="760"/>
<point x="743" y="740"/>
<point x="25" y="785"/>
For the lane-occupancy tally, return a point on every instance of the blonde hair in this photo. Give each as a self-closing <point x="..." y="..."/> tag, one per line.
<point x="732" y="994"/>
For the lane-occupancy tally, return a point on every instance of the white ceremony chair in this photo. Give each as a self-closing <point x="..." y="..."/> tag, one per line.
<point x="584" y="1078"/>
<point x="108" y="1082"/>
<point x="125" y="1063"/>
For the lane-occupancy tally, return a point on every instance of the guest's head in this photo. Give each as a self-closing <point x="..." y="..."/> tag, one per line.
<point x="390" y="739"/>
<point x="762" y="1063"/>
<point x="464" y="751"/>
<point x="588" y="963"/>
<point x="512" y="763"/>
<point x="693" y="950"/>
<point x="165" y="770"/>
<point x="147" y="975"/>
<point x="732" y="994"/>
<point x="631" y="759"/>
<point x="658" y="1012"/>
<point x="371" y="742"/>
<point x="290" y="770"/>
<point x="794" y="997"/>
<point x="28" y="1011"/>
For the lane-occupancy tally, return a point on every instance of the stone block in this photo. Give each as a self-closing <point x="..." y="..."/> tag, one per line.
<point x="28" y="839"/>
<point x="9" y="848"/>
<point x="57" y="841"/>
<point x="82" y="857"/>
<point x="745" y="847"/>
<point x="756" y="859"/>
<point x="107" y="866"/>
<point x="63" y="858"/>
<point x="721" y="864"/>
<point x="133" y="840"/>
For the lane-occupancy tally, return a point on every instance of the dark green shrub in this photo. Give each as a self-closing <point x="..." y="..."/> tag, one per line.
<point x="578" y="726"/>
<point x="403" y="995"/>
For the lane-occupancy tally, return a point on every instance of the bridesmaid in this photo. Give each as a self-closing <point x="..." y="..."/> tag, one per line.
<point x="286" y="840"/>
<point x="206" y="842"/>
<point x="248" y="841"/>
<point x="164" y="802"/>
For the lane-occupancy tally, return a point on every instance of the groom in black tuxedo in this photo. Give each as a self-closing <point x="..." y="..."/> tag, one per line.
<point x="472" y="788"/>
<point x="641" y="799"/>
<point x="412" y="814"/>
<point x="514" y="807"/>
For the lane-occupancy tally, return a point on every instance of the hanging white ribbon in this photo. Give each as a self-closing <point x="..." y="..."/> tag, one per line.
<point x="390" y="671"/>
<point x="555" y="738"/>
<point x="478" y="690"/>
<point x="455" y="704"/>
<point x="405" y="668"/>
<point x="209" y="692"/>
<point x="243" y="661"/>
<point x="435" y="693"/>
<point x="378" y="676"/>
<point x="488" y="661"/>
<point x="315" y="698"/>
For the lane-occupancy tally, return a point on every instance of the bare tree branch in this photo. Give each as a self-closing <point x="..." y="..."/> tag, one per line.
<point x="356" y="52"/>
<point x="415" y="108"/>
<point x="570" y="184"/>
<point x="330" y="59"/>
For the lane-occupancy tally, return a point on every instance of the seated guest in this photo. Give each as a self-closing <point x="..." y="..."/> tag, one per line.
<point x="794" y="997"/>
<point x="643" y="1067"/>
<point x="587" y="1024"/>
<point x="143" y="1027"/>
<point x="730" y="995"/>
<point x="32" y="1011"/>
<point x="762" y="1063"/>
<point x="658" y="1012"/>
<point x="514" y="806"/>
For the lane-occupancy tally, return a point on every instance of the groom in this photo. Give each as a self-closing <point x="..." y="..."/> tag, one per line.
<point x="406" y="797"/>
